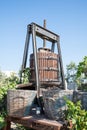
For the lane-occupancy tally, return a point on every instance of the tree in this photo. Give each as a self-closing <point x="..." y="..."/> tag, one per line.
<point x="71" y="72"/>
<point x="78" y="73"/>
<point x="5" y="84"/>
<point x="82" y="74"/>
<point x="82" y="67"/>
<point x="9" y="83"/>
<point x="24" y="75"/>
<point x="2" y="78"/>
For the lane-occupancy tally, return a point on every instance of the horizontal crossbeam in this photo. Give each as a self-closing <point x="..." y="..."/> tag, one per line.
<point x="44" y="33"/>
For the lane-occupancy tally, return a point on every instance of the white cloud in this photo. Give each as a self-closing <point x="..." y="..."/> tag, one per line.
<point x="8" y="73"/>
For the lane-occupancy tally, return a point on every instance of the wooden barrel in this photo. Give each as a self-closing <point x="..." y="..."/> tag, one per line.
<point x="47" y="67"/>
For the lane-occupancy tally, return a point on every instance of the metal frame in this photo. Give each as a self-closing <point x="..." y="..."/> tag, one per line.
<point x="43" y="33"/>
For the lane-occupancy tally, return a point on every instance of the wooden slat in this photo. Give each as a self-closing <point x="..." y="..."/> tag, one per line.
<point x="28" y="85"/>
<point x="37" y="123"/>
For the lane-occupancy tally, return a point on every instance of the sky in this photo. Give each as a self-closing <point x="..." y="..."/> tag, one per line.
<point x="67" y="18"/>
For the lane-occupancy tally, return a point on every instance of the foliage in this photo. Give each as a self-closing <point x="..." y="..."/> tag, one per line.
<point x="5" y="84"/>
<point x="82" y="74"/>
<point x="82" y="67"/>
<point x="2" y="122"/>
<point x="75" y="114"/>
<point x="9" y="83"/>
<point x="71" y="72"/>
<point x="2" y="78"/>
<point x="78" y="74"/>
<point x="24" y="75"/>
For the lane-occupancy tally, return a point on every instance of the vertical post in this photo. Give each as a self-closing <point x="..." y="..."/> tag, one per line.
<point x="53" y="47"/>
<point x="35" y="59"/>
<point x="25" y="55"/>
<point x="26" y="48"/>
<point x="61" y="63"/>
<point x="44" y="40"/>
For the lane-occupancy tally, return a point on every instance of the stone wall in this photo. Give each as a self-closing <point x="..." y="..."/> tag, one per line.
<point x="54" y="103"/>
<point x="82" y="96"/>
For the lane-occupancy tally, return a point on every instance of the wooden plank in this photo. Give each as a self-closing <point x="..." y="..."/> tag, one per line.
<point x="44" y="33"/>
<point x="24" y="85"/>
<point x="37" y="123"/>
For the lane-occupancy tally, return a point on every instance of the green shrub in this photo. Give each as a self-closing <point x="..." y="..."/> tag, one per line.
<point x="75" y="114"/>
<point x="5" y="84"/>
<point x="2" y="122"/>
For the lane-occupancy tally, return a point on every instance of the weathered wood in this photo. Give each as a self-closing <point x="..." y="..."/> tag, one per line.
<point x="27" y="86"/>
<point x="23" y="85"/>
<point x="36" y="122"/>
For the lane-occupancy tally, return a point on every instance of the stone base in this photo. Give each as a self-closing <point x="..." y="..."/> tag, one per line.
<point x="82" y="96"/>
<point x="54" y="103"/>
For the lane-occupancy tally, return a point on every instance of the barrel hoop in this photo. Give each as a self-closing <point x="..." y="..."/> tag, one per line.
<point x="46" y="68"/>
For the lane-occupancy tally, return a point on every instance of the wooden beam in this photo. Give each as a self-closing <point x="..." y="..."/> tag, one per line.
<point x="36" y="122"/>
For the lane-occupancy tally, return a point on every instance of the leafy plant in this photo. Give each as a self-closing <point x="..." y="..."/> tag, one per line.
<point x="2" y="122"/>
<point x="5" y="84"/>
<point x="82" y="74"/>
<point x="71" y="72"/>
<point x="24" y="75"/>
<point x="82" y="67"/>
<point x="76" y="115"/>
<point x="77" y="74"/>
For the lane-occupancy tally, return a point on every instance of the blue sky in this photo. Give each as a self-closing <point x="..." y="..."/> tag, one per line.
<point x="68" y="18"/>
